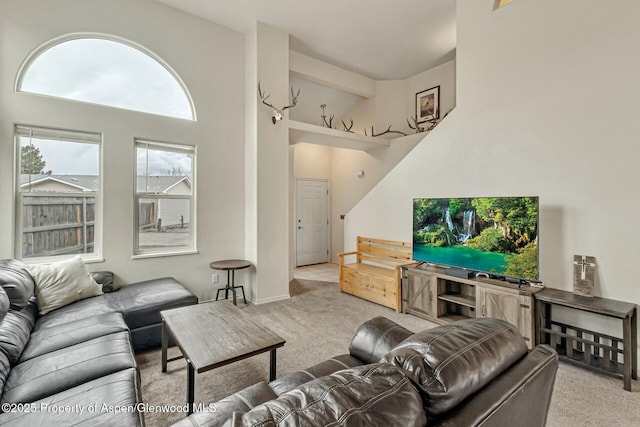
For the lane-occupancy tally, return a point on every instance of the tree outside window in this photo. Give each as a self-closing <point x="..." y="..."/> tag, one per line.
<point x="58" y="208"/>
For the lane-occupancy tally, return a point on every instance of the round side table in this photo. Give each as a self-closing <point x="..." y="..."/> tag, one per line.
<point x="230" y="266"/>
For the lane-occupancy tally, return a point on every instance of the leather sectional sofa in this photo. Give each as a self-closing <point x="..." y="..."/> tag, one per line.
<point x="474" y="372"/>
<point x="76" y="365"/>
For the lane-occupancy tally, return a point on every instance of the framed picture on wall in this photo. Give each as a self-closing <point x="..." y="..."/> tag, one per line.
<point x="428" y="104"/>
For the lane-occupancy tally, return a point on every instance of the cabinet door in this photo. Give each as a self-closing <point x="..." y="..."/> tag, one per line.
<point x="511" y="307"/>
<point x="422" y="293"/>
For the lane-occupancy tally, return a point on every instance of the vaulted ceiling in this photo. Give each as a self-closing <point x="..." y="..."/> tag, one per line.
<point x="381" y="39"/>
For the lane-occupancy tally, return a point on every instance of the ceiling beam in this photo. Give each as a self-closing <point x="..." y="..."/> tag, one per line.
<point x="315" y="70"/>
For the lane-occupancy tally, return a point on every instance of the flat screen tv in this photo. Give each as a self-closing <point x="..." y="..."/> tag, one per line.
<point x="493" y="235"/>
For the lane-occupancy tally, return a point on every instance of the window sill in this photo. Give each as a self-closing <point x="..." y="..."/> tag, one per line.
<point x="49" y="260"/>
<point x="164" y="254"/>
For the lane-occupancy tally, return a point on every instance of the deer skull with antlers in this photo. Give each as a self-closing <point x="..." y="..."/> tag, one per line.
<point x="278" y="114"/>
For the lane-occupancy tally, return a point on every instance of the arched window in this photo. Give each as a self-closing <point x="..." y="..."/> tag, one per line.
<point x="107" y="72"/>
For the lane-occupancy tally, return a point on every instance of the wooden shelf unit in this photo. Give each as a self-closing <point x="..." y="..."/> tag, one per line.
<point x="429" y="293"/>
<point x="314" y="134"/>
<point x="459" y="299"/>
<point x="589" y="348"/>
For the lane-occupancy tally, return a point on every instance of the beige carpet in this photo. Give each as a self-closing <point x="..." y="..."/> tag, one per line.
<point x="318" y="322"/>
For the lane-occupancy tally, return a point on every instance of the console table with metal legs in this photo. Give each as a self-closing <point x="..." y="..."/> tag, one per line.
<point x="580" y="346"/>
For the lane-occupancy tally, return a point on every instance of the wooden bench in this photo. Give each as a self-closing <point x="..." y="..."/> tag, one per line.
<point x="376" y="274"/>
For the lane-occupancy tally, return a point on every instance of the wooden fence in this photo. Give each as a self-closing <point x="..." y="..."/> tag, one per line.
<point x="55" y="225"/>
<point x="147" y="214"/>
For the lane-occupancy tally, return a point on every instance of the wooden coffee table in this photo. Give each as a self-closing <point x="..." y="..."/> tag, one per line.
<point x="214" y="334"/>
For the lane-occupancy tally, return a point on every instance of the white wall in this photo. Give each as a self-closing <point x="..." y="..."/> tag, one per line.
<point x="313" y="95"/>
<point x="312" y="161"/>
<point x="209" y="59"/>
<point x="268" y="196"/>
<point x="547" y="105"/>
<point x="394" y="102"/>
<point x="329" y="75"/>
<point x="348" y="189"/>
<point x="444" y="76"/>
<point x="340" y="166"/>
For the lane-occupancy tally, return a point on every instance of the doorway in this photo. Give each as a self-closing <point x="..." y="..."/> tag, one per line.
<point x="312" y="221"/>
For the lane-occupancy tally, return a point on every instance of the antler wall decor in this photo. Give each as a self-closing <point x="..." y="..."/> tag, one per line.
<point x="415" y="125"/>
<point x="329" y="123"/>
<point x="323" y="118"/>
<point x="385" y="132"/>
<point x="429" y="123"/>
<point x="347" y="128"/>
<point x="278" y="114"/>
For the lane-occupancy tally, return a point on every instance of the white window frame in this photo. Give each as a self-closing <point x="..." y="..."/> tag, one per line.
<point x="66" y="135"/>
<point x="139" y="253"/>
<point x="37" y="52"/>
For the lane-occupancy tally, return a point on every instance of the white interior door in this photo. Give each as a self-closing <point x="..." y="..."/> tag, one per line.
<point x="312" y="221"/>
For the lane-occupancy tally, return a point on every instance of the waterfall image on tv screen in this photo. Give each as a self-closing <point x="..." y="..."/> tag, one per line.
<point x="497" y="235"/>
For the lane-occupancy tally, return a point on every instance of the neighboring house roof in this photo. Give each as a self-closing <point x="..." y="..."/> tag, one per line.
<point x="85" y="183"/>
<point x="159" y="184"/>
<point x="89" y="183"/>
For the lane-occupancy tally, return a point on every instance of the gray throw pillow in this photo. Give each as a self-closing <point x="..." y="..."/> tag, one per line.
<point x="106" y="279"/>
<point x="61" y="283"/>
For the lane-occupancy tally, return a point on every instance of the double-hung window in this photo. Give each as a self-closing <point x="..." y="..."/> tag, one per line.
<point x="164" y="199"/>
<point x="58" y="193"/>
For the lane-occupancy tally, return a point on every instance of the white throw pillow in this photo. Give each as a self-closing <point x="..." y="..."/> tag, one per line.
<point x="61" y="283"/>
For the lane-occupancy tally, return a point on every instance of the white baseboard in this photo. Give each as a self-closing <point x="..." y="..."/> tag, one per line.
<point x="271" y="299"/>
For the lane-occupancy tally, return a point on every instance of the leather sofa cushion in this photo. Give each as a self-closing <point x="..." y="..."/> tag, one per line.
<point x="242" y="401"/>
<point x="15" y="330"/>
<point x="66" y="368"/>
<point x="368" y="395"/>
<point x="148" y="338"/>
<point x="67" y="334"/>
<point x="83" y="309"/>
<point x="120" y="389"/>
<point x="4" y="303"/>
<point x="5" y="368"/>
<point x="16" y="282"/>
<point x="141" y="303"/>
<point x="450" y="362"/>
<point x="520" y="396"/>
<point x="375" y="338"/>
<point x="327" y="367"/>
